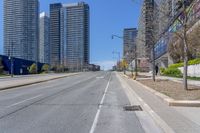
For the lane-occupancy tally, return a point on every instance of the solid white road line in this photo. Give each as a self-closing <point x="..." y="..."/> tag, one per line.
<point x="23" y="101"/>
<point x="99" y="109"/>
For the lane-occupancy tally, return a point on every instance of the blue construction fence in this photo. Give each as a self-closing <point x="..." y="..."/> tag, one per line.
<point x="20" y="66"/>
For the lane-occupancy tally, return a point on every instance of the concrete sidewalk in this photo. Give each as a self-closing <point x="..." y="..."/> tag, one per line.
<point x="180" y="119"/>
<point x="8" y="83"/>
<point x="179" y="80"/>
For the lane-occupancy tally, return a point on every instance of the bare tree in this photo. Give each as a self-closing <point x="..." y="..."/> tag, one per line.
<point x="175" y="47"/>
<point x="184" y="20"/>
<point x="194" y="44"/>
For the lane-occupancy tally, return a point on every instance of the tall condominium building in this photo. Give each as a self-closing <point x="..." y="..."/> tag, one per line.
<point x="148" y="26"/>
<point x="148" y="32"/>
<point x="21" y="32"/>
<point x="75" y="36"/>
<point x="130" y="35"/>
<point x="55" y="34"/>
<point x="44" y="46"/>
<point x="69" y="35"/>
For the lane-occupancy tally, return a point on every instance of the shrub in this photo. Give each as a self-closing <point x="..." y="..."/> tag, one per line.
<point x="33" y="69"/>
<point x="194" y="62"/>
<point x="176" y="65"/>
<point x="162" y="70"/>
<point x="45" y="68"/>
<point x="190" y="62"/>
<point x="175" y="72"/>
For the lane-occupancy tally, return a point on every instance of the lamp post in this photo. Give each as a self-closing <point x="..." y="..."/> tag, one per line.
<point x="118" y="53"/>
<point x="121" y="37"/>
<point x="123" y="61"/>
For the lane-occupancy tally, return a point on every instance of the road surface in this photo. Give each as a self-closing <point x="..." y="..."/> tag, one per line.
<point x="84" y="103"/>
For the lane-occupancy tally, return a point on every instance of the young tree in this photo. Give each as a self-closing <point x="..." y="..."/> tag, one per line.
<point x="45" y="68"/>
<point x="184" y="8"/>
<point x="33" y="69"/>
<point x="175" y="47"/>
<point x="124" y="65"/>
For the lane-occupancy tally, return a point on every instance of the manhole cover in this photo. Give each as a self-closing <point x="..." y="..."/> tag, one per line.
<point x="132" y="108"/>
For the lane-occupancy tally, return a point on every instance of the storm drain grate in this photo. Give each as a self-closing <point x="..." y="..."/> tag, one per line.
<point x="132" y="108"/>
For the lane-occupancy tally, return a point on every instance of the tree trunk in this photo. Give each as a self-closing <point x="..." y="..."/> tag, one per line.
<point x="136" y="67"/>
<point x="153" y="64"/>
<point x="124" y="71"/>
<point x="136" y="61"/>
<point x="185" y="71"/>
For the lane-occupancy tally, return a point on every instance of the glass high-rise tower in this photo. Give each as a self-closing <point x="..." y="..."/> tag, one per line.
<point x="69" y="35"/>
<point x="75" y="36"/>
<point x="130" y="35"/>
<point x="44" y="46"/>
<point x="55" y="34"/>
<point x="21" y="28"/>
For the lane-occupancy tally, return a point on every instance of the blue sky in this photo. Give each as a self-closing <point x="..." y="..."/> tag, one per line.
<point x="107" y="17"/>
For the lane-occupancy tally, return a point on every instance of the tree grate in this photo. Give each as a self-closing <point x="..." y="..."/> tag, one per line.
<point x="132" y="108"/>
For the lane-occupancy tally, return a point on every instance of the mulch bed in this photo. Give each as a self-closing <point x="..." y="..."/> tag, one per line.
<point x="139" y="76"/>
<point x="173" y="89"/>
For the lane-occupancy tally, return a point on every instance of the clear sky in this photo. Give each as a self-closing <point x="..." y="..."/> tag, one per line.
<point x="107" y="17"/>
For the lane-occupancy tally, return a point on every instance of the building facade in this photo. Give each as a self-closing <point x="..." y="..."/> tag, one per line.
<point x="130" y="35"/>
<point x="74" y="36"/>
<point x="148" y="31"/>
<point x="44" y="43"/>
<point x="69" y="35"/>
<point x="21" y="29"/>
<point x="55" y="34"/>
<point x="162" y="54"/>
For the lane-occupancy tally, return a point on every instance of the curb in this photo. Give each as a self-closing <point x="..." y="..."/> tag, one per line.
<point x="168" y="100"/>
<point x="36" y="82"/>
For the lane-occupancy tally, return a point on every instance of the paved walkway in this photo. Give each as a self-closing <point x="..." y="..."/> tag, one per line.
<point x="180" y="119"/>
<point x="180" y="80"/>
<point x="27" y="80"/>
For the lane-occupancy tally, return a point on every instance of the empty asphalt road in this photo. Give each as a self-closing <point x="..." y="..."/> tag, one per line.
<point x="84" y="103"/>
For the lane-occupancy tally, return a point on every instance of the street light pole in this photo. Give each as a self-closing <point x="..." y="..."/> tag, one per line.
<point x="118" y="53"/>
<point x="121" y="37"/>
